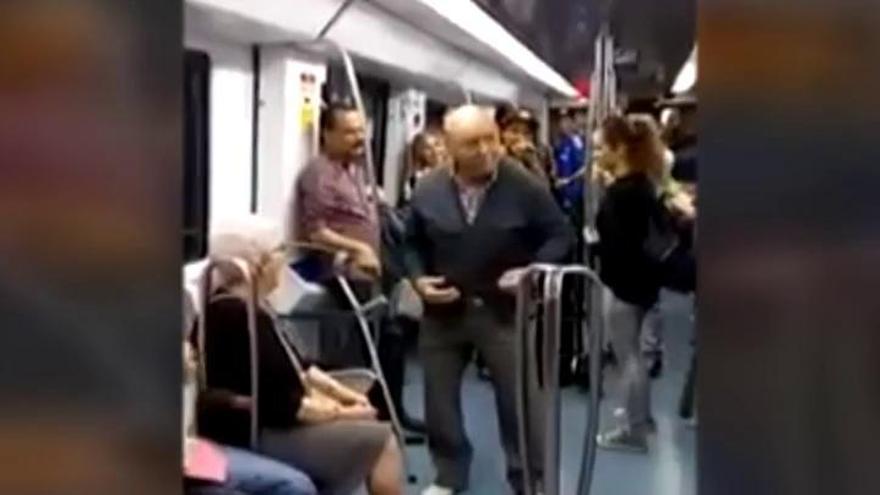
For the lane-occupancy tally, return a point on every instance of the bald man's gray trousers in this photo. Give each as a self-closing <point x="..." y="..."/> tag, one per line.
<point x="446" y="347"/>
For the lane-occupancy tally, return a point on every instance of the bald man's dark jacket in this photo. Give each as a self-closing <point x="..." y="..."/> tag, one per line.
<point x="517" y="224"/>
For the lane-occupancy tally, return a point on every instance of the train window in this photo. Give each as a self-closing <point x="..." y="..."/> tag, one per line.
<point x="375" y="93"/>
<point x="196" y="162"/>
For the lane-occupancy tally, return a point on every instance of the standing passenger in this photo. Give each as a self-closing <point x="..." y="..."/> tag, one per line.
<point x="635" y="240"/>
<point x="519" y="135"/>
<point x="427" y="151"/>
<point x="472" y="228"/>
<point x="332" y="209"/>
<point x="570" y="155"/>
<point x="331" y="205"/>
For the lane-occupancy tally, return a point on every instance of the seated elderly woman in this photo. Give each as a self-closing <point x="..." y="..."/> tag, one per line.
<point x="212" y="469"/>
<point x="306" y="418"/>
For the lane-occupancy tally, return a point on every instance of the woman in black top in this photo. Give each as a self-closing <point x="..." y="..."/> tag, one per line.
<point x="635" y="236"/>
<point x="305" y="417"/>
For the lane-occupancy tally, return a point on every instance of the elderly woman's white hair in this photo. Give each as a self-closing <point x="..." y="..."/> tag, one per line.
<point x="252" y="239"/>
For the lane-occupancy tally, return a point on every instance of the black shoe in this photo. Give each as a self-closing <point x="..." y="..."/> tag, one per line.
<point x="414" y="431"/>
<point x="414" y="439"/>
<point x="412" y="425"/>
<point x="655" y="369"/>
<point x="609" y="358"/>
<point x="581" y="372"/>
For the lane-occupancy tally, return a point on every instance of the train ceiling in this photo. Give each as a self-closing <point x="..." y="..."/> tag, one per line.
<point x="655" y="35"/>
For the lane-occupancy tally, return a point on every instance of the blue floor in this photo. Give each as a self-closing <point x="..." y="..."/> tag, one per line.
<point x="669" y="468"/>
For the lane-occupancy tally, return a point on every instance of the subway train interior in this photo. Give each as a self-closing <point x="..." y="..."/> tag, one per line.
<point x="267" y="86"/>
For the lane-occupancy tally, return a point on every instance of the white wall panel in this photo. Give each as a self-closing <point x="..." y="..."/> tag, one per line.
<point x="231" y="96"/>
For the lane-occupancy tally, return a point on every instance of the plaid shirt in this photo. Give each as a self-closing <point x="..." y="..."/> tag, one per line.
<point x="332" y="195"/>
<point x="472" y="197"/>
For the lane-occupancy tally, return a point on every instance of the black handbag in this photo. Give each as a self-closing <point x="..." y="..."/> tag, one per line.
<point x="674" y="259"/>
<point x="662" y="240"/>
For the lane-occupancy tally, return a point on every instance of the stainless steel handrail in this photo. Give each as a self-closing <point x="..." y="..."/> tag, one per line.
<point x="361" y="317"/>
<point x="551" y="299"/>
<point x="596" y="331"/>
<point x="525" y="303"/>
<point x="362" y="312"/>
<point x="552" y="393"/>
<point x="585" y="477"/>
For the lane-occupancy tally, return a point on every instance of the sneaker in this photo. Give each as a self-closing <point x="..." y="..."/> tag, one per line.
<point x="483" y="373"/>
<point x="619" y="414"/>
<point x="623" y="439"/>
<point x="438" y="490"/>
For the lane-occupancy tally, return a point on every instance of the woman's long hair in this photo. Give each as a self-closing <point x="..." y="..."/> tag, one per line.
<point x="415" y="158"/>
<point x="638" y="138"/>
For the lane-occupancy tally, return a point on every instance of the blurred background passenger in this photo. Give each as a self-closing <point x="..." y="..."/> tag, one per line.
<point x="427" y="150"/>
<point x="519" y="137"/>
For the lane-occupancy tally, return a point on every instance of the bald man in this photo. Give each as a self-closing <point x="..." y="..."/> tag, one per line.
<point x="472" y="227"/>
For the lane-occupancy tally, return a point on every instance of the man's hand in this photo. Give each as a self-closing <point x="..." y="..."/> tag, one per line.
<point x="366" y="261"/>
<point x="509" y="281"/>
<point x="434" y="290"/>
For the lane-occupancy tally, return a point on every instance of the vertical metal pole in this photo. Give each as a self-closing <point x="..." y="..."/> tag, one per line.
<point x="353" y="84"/>
<point x="595" y="331"/>
<point x="551" y="290"/>
<point x="468" y="95"/>
<point x="589" y="451"/>
<point x="368" y="149"/>
<point x="553" y="401"/>
<point x="251" y="303"/>
<point x="524" y="357"/>
<point x="351" y="74"/>
<point x="585" y="478"/>
<point x="523" y="310"/>
<point x="374" y="360"/>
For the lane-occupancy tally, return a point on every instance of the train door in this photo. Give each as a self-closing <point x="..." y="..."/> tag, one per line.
<point x="196" y="163"/>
